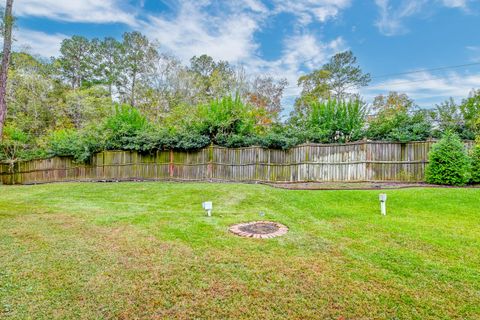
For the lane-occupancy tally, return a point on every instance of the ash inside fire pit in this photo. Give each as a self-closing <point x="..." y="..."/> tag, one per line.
<point x="259" y="229"/>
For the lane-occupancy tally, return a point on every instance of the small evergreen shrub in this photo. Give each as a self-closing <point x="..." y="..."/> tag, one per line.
<point x="449" y="162"/>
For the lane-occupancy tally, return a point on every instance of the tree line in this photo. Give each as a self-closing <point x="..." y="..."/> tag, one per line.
<point x="125" y="94"/>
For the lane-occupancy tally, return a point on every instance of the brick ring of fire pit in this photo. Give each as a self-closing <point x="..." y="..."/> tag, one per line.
<point x="259" y="229"/>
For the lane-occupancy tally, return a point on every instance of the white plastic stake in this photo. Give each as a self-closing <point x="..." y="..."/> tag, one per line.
<point x="383" y="203"/>
<point x="208" y="206"/>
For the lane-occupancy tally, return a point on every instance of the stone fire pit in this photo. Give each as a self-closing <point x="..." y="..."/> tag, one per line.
<point x="259" y="229"/>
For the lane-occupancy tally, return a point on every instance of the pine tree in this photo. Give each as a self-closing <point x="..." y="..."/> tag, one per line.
<point x="448" y="162"/>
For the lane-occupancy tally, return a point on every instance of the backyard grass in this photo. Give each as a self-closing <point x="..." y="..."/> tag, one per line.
<point x="147" y="251"/>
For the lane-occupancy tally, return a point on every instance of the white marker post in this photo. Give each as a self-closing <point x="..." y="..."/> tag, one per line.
<point x="383" y="203"/>
<point x="208" y="206"/>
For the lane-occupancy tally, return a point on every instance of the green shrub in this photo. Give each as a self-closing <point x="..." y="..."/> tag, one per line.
<point x="13" y="143"/>
<point x="470" y="108"/>
<point x="153" y="139"/>
<point x="235" y="140"/>
<point x="475" y="178"/>
<point x="448" y="162"/>
<point x="165" y="139"/>
<point x="284" y="140"/>
<point x="18" y="145"/>
<point x="334" y="121"/>
<point x="80" y="145"/>
<point x="63" y="142"/>
<point x="402" y="126"/>
<point x="189" y="140"/>
<point x="449" y="117"/>
<point x="223" y="118"/>
<point x="123" y="128"/>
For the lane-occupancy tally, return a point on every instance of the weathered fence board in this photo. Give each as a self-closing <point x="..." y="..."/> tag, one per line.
<point x="360" y="161"/>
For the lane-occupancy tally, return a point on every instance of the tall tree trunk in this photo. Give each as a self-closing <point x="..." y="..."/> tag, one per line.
<point x="132" y="94"/>
<point x="7" y="46"/>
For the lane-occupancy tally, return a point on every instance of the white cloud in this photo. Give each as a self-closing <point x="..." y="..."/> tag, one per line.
<point x="308" y="11"/>
<point x="456" y="3"/>
<point x="192" y="31"/>
<point x="427" y="89"/>
<point x="390" y="21"/>
<point x="91" y="11"/>
<point x="38" y="43"/>
<point x="255" y="5"/>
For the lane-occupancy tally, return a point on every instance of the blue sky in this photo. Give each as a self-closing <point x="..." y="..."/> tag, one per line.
<point x="286" y="38"/>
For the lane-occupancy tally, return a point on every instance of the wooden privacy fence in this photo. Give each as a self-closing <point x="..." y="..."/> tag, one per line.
<point x="359" y="161"/>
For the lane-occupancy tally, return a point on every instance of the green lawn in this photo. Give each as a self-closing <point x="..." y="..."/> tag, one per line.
<point x="146" y="250"/>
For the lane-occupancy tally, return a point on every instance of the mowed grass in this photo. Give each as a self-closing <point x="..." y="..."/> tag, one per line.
<point x="147" y="251"/>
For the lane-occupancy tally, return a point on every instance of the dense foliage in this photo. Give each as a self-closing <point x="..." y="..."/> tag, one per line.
<point x="78" y="144"/>
<point x="334" y="121"/>
<point x="123" y="94"/>
<point x="401" y="126"/>
<point x="448" y="162"/>
<point x="16" y="145"/>
<point x="449" y="116"/>
<point x="475" y="156"/>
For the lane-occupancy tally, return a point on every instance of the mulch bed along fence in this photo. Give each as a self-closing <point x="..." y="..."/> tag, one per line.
<point x="359" y="161"/>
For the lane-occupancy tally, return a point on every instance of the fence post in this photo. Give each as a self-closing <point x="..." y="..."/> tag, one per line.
<point x="367" y="156"/>
<point x="210" y="162"/>
<point x="11" y="170"/>
<point x="171" y="165"/>
<point x="307" y="163"/>
<point x="256" y="175"/>
<point x="268" y="168"/>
